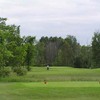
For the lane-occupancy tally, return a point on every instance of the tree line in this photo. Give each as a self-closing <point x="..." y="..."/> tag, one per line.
<point x="17" y="51"/>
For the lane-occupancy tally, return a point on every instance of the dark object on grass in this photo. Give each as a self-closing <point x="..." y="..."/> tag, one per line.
<point x="45" y="82"/>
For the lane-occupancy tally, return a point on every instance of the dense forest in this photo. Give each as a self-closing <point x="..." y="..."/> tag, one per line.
<point x="17" y="51"/>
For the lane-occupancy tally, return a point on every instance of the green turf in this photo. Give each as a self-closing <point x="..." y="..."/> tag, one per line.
<point x="50" y="91"/>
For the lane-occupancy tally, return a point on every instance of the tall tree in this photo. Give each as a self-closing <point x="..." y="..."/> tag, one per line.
<point x="30" y="45"/>
<point x="40" y="54"/>
<point x="4" y="34"/>
<point x="96" y="49"/>
<point x="84" y="58"/>
<point x="73" y="48"/>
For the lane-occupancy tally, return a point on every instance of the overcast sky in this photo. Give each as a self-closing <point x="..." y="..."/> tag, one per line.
<point x="80" y="18"/>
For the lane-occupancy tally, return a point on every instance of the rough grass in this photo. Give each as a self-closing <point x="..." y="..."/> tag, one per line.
<point x="50" y="91"/>
<point x="38" y="74"/>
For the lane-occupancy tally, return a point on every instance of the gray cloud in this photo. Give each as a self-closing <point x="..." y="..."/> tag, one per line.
<point x="54" y="17"/>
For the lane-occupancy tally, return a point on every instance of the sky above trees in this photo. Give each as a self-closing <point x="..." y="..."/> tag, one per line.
<point x="80" y="18"/>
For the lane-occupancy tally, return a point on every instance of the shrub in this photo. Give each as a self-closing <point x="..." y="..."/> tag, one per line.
<point x="5" y="71"/>
<point x="20" y="71"/>
<point x="28" y="68"/>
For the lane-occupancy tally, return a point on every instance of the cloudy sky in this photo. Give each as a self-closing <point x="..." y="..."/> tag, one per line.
<point x="80" y="18"/>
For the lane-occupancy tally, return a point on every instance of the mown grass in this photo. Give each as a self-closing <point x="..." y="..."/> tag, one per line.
<point x="50" y="91"/>
<point x="38" y="74"/>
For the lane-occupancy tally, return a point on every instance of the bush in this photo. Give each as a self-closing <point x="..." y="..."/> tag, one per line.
<point x="28" y="68"/>
<point x="20" y="71"/>
<point x="5" y="71"/>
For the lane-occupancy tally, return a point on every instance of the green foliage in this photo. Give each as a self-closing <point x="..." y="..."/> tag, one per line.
<point x="96" y="49"/>
<point x="67" y="51"/>
<point x="40" y="54"/>
<point x="28" y="68"/>
<point x="19" y="56"/>
<point x="78" y="62"/>
<point x="30" y="51"/>
<point x="18" y="51"/>
<point x="20" y="71"/>
<point x="8" y="34"/>
<point x="84" y="58"/>
<point x="4" y="72"/>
